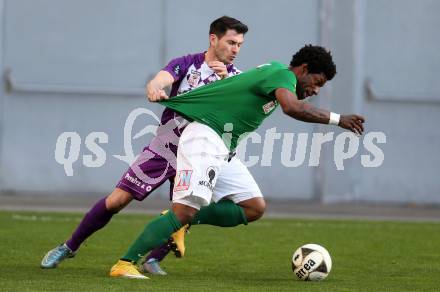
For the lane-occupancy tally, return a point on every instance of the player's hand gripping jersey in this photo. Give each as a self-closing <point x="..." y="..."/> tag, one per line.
<point x="244" y="100"/>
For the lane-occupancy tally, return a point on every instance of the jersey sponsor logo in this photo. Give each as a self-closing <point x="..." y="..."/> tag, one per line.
<point x="211" y="78"/>
<point x="176" y="69"/>
<point x="135" y="181"/>
<point x="206" y="184"/>
<point x="194" y="78"/>
<point x="183" y="180"/>
<point x="268" y="107"/>
<point x="210" y="173"/>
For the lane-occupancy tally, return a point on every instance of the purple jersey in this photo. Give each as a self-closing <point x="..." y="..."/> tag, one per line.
<point x="189" y="72"/>
<point x="157" y="162"/>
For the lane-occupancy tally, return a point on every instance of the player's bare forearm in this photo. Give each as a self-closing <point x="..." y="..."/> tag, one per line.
<point x="300" y="110"/>
<point x="155" y="88"/>
<point x="308" y="113"/>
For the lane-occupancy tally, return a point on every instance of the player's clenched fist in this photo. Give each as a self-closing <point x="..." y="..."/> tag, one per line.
<point x="353" y="123"/>
<point x="155" y="93"/>
<point x="219" y="68"/>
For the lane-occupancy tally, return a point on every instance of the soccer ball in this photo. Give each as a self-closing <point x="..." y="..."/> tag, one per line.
<point x="311" y="262"/>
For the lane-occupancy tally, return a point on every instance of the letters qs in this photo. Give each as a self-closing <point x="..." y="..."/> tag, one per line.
<point x="68" y="145"/>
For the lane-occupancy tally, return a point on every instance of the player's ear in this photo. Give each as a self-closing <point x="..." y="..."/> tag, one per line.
<point x="305" y="68"/>
<point x="213" y="39"/>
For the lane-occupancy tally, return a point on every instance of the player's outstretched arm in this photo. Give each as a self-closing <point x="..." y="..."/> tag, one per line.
<point x="308" y="113"/>
<point x="155" y="88"/>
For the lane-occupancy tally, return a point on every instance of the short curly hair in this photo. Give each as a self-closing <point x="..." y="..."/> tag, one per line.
<point x="318" y="60"/>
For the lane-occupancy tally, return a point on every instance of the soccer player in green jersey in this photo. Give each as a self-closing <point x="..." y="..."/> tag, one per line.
<point x="222" y="113"/>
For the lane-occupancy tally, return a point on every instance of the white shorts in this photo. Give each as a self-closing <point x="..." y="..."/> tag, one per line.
<point x="204" y="174"/>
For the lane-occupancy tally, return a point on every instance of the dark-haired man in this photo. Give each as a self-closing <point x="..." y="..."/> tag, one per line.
<point x="156" y="164"/>
<point x="238" y="105"/>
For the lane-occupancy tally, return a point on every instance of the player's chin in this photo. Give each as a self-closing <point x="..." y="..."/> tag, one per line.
<point x="300" y="92"/>
<point x="301" y="95"/>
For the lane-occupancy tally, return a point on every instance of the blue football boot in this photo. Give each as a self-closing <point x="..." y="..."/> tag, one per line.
<point x="56" y="256"/>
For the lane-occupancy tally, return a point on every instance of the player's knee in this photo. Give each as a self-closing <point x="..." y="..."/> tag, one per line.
<point x="262" y="207"/>
<point x="254" y="209"/>
<point x="184" y="213"/>
<point x="117" y="200"/>
<point x="259" y="210"/>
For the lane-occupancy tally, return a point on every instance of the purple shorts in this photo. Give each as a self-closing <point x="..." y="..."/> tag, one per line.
<point x="146" y="174"/>
<point x="157" y="162"/>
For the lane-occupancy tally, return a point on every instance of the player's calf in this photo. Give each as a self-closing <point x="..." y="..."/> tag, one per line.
<point x="117" y="200"/>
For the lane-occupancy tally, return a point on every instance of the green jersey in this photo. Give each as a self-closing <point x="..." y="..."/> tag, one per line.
<point x="235" y="106"/>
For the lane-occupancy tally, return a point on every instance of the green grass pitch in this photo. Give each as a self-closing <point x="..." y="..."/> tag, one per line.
<point x="367" y="255"/>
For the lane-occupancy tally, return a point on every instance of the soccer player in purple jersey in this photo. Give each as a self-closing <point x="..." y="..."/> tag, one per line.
<point x="157" y="163"/>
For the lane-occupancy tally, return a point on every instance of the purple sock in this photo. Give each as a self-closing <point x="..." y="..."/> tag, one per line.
<point x="159" y="253"/>
<point x="94" y="220"/>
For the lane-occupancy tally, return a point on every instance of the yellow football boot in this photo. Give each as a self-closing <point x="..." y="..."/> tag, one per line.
<point x="125" y="269"/>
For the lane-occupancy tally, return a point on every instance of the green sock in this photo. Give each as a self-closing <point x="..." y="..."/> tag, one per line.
<point x="225" y="213"/>
<point x="155" y="234"/>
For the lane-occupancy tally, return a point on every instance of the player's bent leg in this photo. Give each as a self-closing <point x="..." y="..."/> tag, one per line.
<point x="98" y="216"/>
<point x="175" y="244"/>
<point x="157" y="233"/>
<point x="156" y="256"/>
<point x="224" y="213"/>
<point x="253" y="208"/>
<point x="154" y="234"/>
<point x="237" y="185"/>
